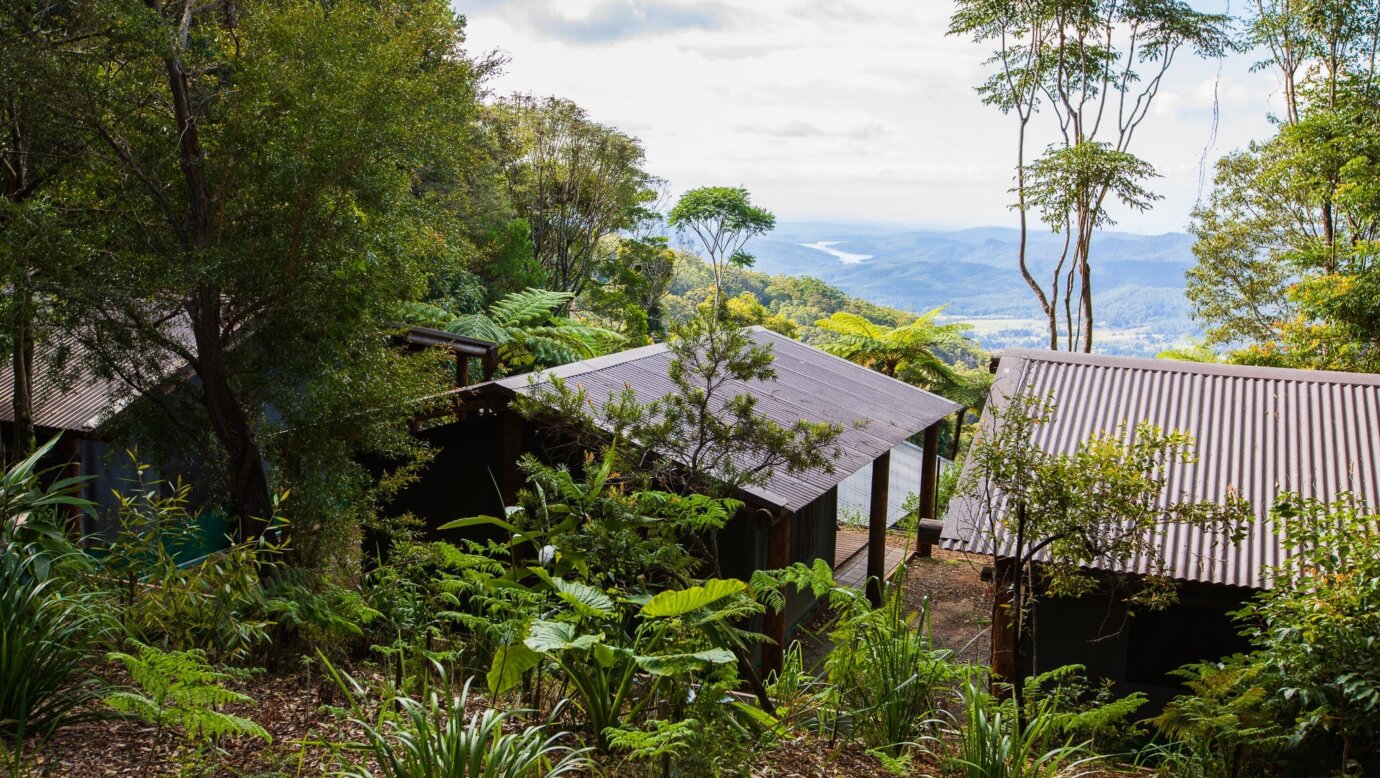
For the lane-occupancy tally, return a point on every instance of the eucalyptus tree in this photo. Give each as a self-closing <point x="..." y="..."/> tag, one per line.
<point x="574" y="180"/>
<point x="1285" y="244"/>
<point x="1095" y="68"/>
<point x="256" y="212"/>
<point x="724" y="219"/>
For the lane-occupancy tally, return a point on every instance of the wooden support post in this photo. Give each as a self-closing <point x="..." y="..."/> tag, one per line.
<point x="490" y="363"/>
<point x="876" y="528"/>
<point x="71" y="452"/>
<point x="774" y="622"/>
<point x="929" y="482"/>
<point x="462" y="369"/>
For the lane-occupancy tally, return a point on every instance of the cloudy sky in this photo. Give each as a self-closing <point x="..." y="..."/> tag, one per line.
<point x="836" y="109"/>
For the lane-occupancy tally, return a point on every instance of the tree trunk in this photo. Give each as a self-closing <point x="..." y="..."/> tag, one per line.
<point x="23" y="359"/>
<point x="250" y="500"/>
<point x="249" y="495"/>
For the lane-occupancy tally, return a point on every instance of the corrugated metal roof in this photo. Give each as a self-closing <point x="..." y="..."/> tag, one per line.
<point x="67" y="396"/>
<point x="1258" y="431"/>
<point x="875" y="411"/>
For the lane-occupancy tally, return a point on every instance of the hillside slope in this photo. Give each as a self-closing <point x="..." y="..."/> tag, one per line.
<point x="1138" y="280"/>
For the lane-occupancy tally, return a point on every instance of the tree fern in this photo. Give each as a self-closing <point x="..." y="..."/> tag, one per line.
<point x="528" y="328"/>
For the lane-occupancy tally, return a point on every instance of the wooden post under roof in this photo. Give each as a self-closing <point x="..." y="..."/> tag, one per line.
<point x="876" y="527"/>
<point x="929" y="492"/>
<point x="774" y="621"/>
<point x="1003" y="646"/>
<point x="70" y="450"/>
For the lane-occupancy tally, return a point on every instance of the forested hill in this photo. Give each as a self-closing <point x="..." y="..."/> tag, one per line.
<point x="1138" y="279"/>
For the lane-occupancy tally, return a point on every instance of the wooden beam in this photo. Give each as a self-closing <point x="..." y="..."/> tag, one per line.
<point x="876" y="527"/>
<point x="462" y="369"/>
<point x="929" y="482"/>
<point x="774" y="621"/>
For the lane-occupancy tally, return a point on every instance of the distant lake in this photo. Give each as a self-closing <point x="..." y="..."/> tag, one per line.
<point x="827" y="247"/>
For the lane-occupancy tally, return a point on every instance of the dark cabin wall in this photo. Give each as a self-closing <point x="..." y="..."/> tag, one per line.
<point x="813" y="536"/>
<point x="1137" y="651"/>
<point x="464" y="477"/>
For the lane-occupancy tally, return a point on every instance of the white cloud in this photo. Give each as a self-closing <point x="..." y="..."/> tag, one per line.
<point x="834" y="108"/>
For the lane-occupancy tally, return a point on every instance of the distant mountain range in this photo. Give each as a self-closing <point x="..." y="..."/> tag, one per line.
<point x="1138" y="280"/>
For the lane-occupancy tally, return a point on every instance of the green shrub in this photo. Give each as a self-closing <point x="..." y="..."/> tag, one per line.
<point x="1080" y="712"/>
<point x="1226" y="728"/>
<point x="215" y="605"/>
<point x="48" y="628"/>
<point x="995" y="743"/>
<point x="47" y="632"/>
<point x="437" y="738"/>
<point x="889" y="676"/>
<point x="178" y="689"/>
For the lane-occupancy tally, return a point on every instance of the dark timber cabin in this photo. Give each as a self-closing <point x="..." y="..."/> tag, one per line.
<point x="791" y="518"/>
<point x="85" y="407"/>
<point x="1258" y="431"/>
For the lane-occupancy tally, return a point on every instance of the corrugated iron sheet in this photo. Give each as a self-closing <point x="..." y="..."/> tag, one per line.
<point x="1258" y="431"/>
<point x="876" y="412"/>
<point x="67" y="396"/>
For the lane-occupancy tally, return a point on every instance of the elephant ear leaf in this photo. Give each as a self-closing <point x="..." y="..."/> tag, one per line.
<point x="682" y="601"/>
<point x="548" y="637"/>
<point x="510" y="662"/>
<point x="584" y="599"/>
<point x="678" y="664"/>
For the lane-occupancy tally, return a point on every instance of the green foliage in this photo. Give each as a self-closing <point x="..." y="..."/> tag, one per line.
<point x="528" y="328"/>
<point x="1081" y="713"/>
<point x="995" y="743"/>
<point x="439" y="737"/>
<point x="706" y="434"/>
<point x="723" y="219"/>
<point x="1286" y="244"/>
<point x="912" y="352"/>
<point x="573" y="180"/>
<point x="48" y="626"/>
<point x="888" y="675"/>
<point x="1317" y="631"/>
<point x="48" y="630"/>
<point x="215" y="604"/>
<point x="315" y="612"/>
<point x="1226" y="726"/>
<point x="1095" y="68"/>
<point x="1101" y="502"/>
<point x="627" y="286"/>
<point x="179" y="689"/>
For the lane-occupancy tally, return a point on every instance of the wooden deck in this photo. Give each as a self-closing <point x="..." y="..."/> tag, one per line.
<point x="850" y="558"/>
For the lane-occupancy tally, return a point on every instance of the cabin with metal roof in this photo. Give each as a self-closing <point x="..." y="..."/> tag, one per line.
<point x="1258" y="432"/>
<point x="73" y="399"/>
<point x="792" y="517"/>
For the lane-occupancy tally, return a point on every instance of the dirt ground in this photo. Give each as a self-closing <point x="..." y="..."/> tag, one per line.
<point x="959" y="601"/>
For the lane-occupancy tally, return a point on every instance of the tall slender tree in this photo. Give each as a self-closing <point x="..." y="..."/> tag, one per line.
<point x="1095" y="67"/>
<point x="723" y="219"/>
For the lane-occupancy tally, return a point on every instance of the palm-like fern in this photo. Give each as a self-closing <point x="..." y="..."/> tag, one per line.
<point x="179" y="689"/>
<point x="528" y="328"/>
<point x="911" y="352"/>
